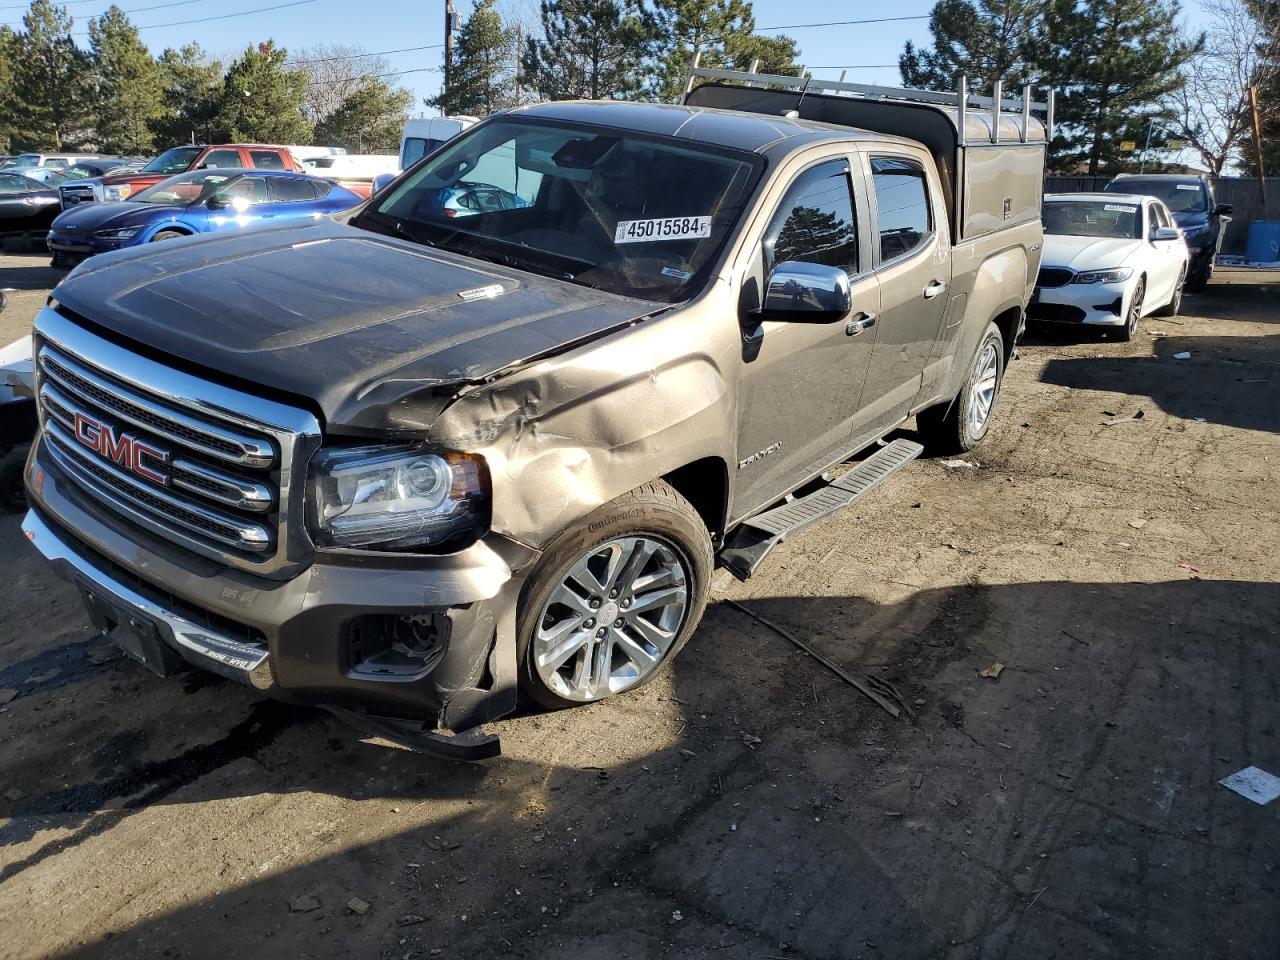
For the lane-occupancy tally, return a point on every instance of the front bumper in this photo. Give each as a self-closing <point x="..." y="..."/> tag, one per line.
<point x="299" y="639"/>
<point x="1094" y="304"/>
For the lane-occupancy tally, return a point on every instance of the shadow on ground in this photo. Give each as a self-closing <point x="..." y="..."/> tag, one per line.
<point x="1068" y="808"/>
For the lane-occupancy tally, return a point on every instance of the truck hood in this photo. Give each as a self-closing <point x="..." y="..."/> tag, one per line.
<point x="377" y="333"/>
<point x="1087" y="253"/>
<point x="136" y="176"/>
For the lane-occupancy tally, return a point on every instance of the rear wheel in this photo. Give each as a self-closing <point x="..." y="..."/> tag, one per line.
<point x="614" y="598"/>
<point x="1171" y="308"/>
<point x="1130" y="328"/>
<point x="961" y="425"/>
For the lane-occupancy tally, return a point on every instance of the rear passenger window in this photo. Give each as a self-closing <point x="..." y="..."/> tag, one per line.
<point x="902" y="202"/>
<point x="266" y="160"/>
<point x="814" y="222"/>
<point x="291" y="189"/>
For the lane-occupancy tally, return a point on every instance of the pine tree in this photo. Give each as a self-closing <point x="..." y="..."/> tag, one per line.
<point x="51" y="79"/>
<point x="129" y="95"/>
<point x="1113" y="62"/>
<point x="722" y="32"/>
<point x="1267" y="79"/>
<point x="8" y="102"/>
<point x="192" y="92"/>
<point x="981" y="40"/>
<point x="482" y="77"/>
<point x="369" y="120"/>
<point x="262" y="99"/>
<point x="590" y="50"/>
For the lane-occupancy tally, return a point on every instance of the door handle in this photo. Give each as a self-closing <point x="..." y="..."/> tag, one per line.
<point x="855" y="327"/>
<point x="933" y="289"/>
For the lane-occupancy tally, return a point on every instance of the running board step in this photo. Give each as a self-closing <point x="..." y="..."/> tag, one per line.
<point x="751" y="542"/>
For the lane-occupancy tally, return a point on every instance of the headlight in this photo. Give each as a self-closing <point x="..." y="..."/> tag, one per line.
<point x="123" y="233"/>
<point x="393" y="498"/>
<point x="117" y="191"/>
<point x="1118" y="275"/>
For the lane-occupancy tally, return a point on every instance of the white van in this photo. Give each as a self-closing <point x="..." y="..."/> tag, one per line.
<point x="424" y="134"/>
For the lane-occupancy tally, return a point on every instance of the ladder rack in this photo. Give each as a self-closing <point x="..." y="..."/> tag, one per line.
<point x="961" y="100"/>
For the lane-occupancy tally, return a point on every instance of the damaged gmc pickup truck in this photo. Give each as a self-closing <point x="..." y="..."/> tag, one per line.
<point x="490" y="432"/>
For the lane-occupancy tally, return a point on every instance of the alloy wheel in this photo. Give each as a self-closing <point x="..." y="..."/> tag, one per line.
<point x="983" y="392"/>
<point x="611" y="620"/>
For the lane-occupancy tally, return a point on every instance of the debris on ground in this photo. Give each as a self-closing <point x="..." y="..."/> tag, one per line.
<point x="358" y="906"/>
<point x="861" y="685"/>
<point x="992" y="671"/>
<point x="303" y="903"/>
<point x="1116" y="421"/>
<point x="958" y="464"/>
<point x="677" y="916"/>
<point x="1253" y="784"/>
<point x="751" y="741"/>
<point x="1137" y="523"/>
<point x="409" y="919"/>
<point x="1189" y="567"/>
<point x="1184" y="355"/>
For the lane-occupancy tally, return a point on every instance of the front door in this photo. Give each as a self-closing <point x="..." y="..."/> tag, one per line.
<point x="1166" y="259"/>
<point x="802" y="382"/>
<point x="914" y="269"/>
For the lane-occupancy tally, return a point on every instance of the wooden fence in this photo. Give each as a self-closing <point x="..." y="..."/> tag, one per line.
<point x="1241" y="192"/>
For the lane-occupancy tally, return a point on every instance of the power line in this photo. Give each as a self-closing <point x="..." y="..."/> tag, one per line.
<point x="362" y="56"/>
<point x="843" y="23"/>
<point x="224" y="16"/>
<point x="857" y="66"/>
<point x="158" y="6"/>
<point x="374" y="76"/>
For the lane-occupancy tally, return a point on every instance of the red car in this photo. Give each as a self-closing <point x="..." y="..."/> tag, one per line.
<point x="172" y="162"/>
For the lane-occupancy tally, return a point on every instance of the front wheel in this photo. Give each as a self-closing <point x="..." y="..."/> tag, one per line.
<point x="614" y="598"/>
<point x="1130" y="328"/>
<point x="962" y="424"/>
<point x="167" y="235"/>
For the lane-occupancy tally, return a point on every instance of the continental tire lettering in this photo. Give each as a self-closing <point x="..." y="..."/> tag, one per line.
<point x="603" y="522"/>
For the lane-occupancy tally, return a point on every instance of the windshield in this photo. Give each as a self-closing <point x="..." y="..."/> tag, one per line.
<point x="1178" y="197"/>
<point x="188" y="188"/>
<point x="634" y="215"/>
<point x="1092" y="218"/>
<point x="173" y="161"/>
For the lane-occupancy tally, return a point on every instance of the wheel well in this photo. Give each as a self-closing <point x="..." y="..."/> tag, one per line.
<point x="705" y="484"/>
<point x="1007" y="324"/>
<point x="173" y="228"/>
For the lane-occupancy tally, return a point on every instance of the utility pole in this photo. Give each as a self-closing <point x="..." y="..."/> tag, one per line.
<point x="1151" y="122"/>
<point x="519" y="53"/>
<point x="449" y="14"/>
<point x="1257" y="143"/>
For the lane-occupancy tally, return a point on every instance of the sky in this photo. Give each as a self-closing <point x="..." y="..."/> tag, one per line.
<point x="870" y="51"/>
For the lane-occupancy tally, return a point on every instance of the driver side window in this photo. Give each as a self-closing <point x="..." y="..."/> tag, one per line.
<point x="814" y="222"/>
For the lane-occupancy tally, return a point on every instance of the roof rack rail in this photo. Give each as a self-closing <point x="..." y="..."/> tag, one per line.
<point x="961" y="99"/>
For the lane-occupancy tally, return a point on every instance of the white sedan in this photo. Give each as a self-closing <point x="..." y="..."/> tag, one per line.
<point x="1109" y="260"/>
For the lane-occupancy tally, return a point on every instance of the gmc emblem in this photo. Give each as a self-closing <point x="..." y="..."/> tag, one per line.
<point x="129" y="452"/>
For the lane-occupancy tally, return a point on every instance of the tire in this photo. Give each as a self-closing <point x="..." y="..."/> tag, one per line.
<point x="167" y="235"/>
<point x="13" y="493"/>
<point x="589" y="565"/>
<point x="1132" y="318"/>
<point x="1171" y="308"/>
<point x="959" y="426"/>
<point x="1198" y="277"/>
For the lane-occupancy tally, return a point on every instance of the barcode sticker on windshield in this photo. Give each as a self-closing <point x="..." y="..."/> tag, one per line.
<point x="1188" y="186"/>
<point x="669" y="228"/>
<point x="1116" y="208"/>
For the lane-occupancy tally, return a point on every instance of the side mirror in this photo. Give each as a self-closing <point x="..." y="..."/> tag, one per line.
<point x="1167" y="233"/>
<point x="381" y="181"/>
<point x="806" y="293"/>
<point x="217" y="202"/>
<point x="1223" y="210"/>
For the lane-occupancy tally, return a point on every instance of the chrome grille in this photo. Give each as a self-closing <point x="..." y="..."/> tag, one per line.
<point x="75" y="194"/>
<point x="207" y="467"/>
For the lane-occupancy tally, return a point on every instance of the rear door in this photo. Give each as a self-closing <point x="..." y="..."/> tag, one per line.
<point x="801" y="382"/>
<point x="291" y="197"/>
<point x="266" y="160"/>
<point x="1168" y="258"/>
<point x="912" y="249"/>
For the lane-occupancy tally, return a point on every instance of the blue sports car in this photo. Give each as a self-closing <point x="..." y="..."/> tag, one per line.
<point x="202" y="201"/>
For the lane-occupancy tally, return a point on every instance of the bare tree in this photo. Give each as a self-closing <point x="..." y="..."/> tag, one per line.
<point x="1212" y="110"/>
<point x="334" y="72"/>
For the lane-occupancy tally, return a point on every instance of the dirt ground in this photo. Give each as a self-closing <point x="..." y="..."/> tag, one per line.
<point x="750" y="804"/>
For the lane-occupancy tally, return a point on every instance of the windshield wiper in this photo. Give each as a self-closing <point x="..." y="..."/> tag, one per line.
<point x="413" y="235"/>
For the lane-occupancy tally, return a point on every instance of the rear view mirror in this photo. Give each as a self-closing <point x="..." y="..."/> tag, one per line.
<point x="807" y="293"/>
<point x="1166" y="233"/>
<point x="1223" y="210"/>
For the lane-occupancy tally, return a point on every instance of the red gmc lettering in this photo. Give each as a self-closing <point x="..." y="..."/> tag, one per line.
<point x="125" y="450"/>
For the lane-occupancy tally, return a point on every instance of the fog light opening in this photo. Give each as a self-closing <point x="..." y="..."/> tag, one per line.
<point x="396" y="646"/>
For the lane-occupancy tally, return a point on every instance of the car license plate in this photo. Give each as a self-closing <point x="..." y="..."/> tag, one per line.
<point x="131" y="631"/>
